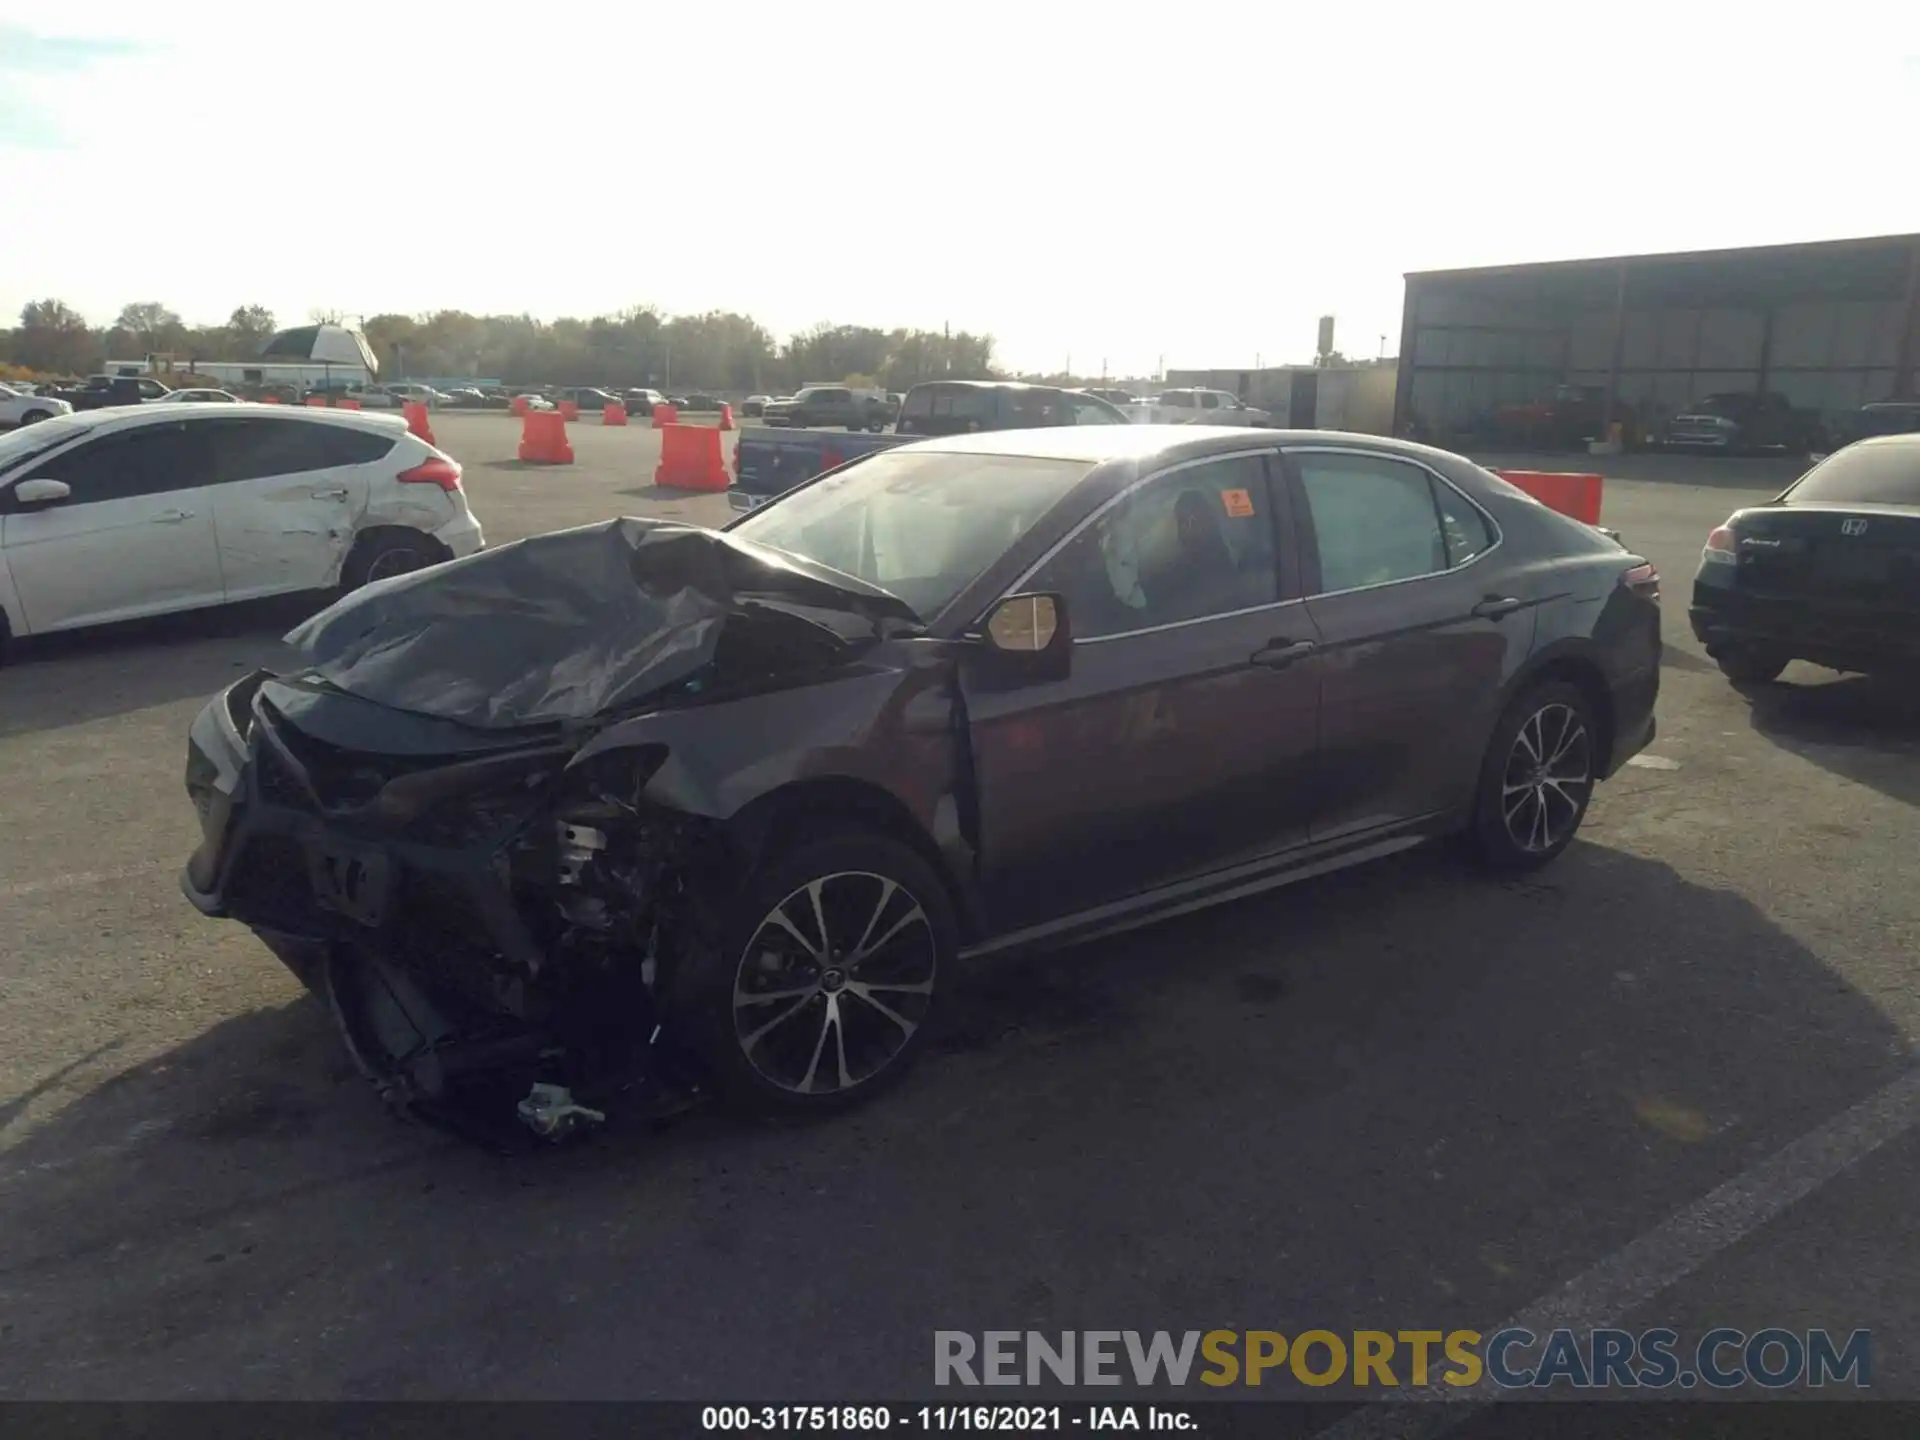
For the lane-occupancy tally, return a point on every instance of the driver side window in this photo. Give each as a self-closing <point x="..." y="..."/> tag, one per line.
<point x="1189" y="544"/>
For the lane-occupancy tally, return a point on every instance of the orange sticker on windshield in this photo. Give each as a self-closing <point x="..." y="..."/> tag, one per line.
<point x="1238" y="502"/>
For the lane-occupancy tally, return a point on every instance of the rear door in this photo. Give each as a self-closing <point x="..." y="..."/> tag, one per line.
<point x="287" y="497"/>
<point x="1183" y="741"/>
<point x="1403" y="586"/>
<point x="134" y="538"/>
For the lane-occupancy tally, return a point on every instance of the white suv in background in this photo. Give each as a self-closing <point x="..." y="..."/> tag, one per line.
<point x="140" y="510"/>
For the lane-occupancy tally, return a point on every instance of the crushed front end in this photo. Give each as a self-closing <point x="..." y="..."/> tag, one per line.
<point x="483" y="917"/>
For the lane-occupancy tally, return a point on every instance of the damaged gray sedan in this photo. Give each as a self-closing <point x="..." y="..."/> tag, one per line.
<point x="636" y="811"/>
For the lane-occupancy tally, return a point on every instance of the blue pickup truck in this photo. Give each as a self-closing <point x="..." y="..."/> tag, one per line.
<point x="769" y="462"/>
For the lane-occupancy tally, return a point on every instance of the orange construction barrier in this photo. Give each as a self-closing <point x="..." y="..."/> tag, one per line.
<point x="665" y="415"/>
<point x="416" y="413"/>
<point x="269" y="399"/>
<point x="569" y="410"/>
<point x="690" y="459"/>
<point x="1577" y="495"/>
<point x="347" y="405"/>
<point x="318" y="402"/>
<point x="614" y="414"/>
<point x="543" y="438"/>
<point x="520" y="406"/>
<point x="726" y="417"/>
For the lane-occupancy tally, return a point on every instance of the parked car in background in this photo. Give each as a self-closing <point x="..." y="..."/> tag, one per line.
<point x="371" y="397"/>
<point x="1882" y="417"/>
<point x="1568" y="419"/>
<point x="829" y="406"/>
<point x="701" y="403"/>
<point x="23" y="407"/>
<point x="199" y="397"/>
<point x="587" y="397"/>
<point x="117" y="513"/>
<point x="1196" y="407"/>
<point x="755" y="406"/>
<point x="641" y="399"/>
<point x="960" y="407"/>
<point x="468" y="397"/>
<point x="102" y="391"/>
<point x="1742" y="422"/>
<point x="1828" y="571"/>
<point x="1352" y="648"/>
<point x="407" y="390"/>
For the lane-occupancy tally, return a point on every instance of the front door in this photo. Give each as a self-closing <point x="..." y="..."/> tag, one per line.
<point x="1399" y="583"/>
<point x="134" y="537"/>
<point x="1183" y="740"/>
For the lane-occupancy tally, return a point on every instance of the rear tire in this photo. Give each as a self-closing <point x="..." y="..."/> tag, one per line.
<point x="385" y="553"/>
<point x="1537" y="779"/>
<point x="796" y="1022"/>
<point x="1744" y="665"/>
<point x="32" y="416"/>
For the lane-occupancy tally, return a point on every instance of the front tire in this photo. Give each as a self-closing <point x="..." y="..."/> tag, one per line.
<point x="1537" y="779"/>
<point x="813" y="986"/>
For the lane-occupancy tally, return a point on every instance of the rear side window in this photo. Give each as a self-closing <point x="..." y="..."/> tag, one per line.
<point x="1870" y="473"/>
<point x="255" y="449"/>
<point x="966" y="402"/>
<point x="1179" y="399"/>
<point x="1375" y="520"/>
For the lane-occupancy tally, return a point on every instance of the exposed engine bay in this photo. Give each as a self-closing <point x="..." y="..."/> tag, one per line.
<point x="443" y="824"/>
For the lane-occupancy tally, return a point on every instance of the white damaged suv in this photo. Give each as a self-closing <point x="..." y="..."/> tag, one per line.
<point x="114" y="514"/>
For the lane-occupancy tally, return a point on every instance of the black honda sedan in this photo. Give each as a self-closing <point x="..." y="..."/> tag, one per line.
<point x="1828" y="571"/>
<point x="555" y="820"/>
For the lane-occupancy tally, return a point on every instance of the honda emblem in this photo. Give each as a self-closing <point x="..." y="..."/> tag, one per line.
<point x="1853" y="526"/>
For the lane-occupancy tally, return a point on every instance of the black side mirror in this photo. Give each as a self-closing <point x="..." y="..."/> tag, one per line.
<point x="1028" y="639"/>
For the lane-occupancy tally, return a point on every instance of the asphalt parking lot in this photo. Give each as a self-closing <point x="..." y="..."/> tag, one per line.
<point x="1403" y="1097"/>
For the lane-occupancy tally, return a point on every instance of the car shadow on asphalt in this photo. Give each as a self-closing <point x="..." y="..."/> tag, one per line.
<point x="1863" y="728"/>
<point x="1401" y="1092"/>
<point x="53" y="681"/>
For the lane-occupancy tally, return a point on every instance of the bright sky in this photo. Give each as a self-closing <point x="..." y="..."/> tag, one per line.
<point x="1085" y="181"/>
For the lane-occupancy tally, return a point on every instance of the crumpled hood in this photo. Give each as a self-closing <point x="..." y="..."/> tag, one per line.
<point x="563" y="627"/>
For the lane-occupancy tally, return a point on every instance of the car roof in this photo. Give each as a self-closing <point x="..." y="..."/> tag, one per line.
<point x="1098" y="444"/>
<point x="131" y="416"/>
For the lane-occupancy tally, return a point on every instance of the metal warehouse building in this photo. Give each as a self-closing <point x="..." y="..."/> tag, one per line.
<point x="1830" y="325"/>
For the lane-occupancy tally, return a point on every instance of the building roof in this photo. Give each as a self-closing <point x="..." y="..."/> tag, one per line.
<point x="1866" y="268"/>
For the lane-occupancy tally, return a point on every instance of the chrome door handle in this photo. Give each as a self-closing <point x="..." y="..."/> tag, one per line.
<point x="1282" y="653"/>
<point x="172" y="517"/>
<point x="1497" y="607"/>
<point x="329" y="494"/>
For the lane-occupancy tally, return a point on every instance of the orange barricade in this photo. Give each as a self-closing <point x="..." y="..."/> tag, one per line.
<point x="269" y="399"/>
<point x="665" y="415"/>
<point x="690" y="459"/>
<point x="614" y="414"/>
<point x="569" y="410"/>
<point x="318" y="402"/>
<point x="520" y="406"/>
<point x="1577" y="495"/>
<point x="347" y="405"/>
<point x="416" y="413"/>
<point x="726" y="417"/>
<point x="543" y="438"/>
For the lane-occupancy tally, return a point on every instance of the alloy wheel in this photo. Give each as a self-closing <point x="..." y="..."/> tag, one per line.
<point x="401" y="560"/>
<point x="834" y="982"/>
<point x="1548" y="778"/>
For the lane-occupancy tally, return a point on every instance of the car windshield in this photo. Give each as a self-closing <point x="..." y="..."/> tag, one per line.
<point x="28" y="441"/>
<point x="921" y="525"/>
<point x="1866" y="474"/>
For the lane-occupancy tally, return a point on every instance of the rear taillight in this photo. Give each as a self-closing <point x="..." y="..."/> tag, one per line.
<point x="1721" y="547"/>
<point x="1644" y="581"/>
<point x="435" y="471"/>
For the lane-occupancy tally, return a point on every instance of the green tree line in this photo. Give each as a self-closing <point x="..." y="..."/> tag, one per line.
<point x="640" y="346"/>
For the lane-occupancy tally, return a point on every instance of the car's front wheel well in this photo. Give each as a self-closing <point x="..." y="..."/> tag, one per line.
<point x="1586" y="677"/>
<point x="787" y="816"/>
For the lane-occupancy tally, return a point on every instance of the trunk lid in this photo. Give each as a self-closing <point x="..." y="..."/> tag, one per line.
<point x="1862" y="555"/>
